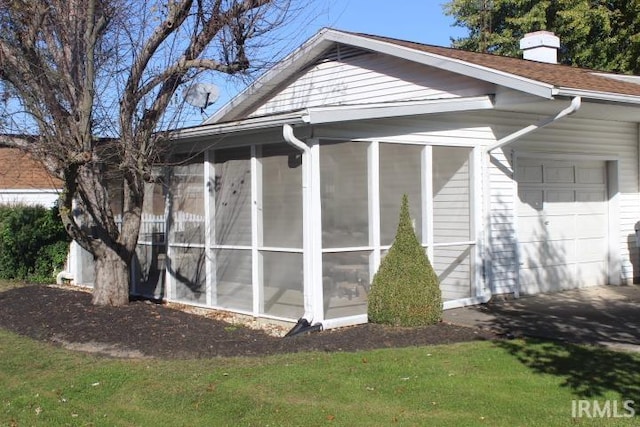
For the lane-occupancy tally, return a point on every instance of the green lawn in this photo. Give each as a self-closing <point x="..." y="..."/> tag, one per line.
<point x="511" y="383"/>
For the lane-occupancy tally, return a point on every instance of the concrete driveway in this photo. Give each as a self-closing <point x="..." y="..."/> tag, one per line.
<point x="603" y="315"/>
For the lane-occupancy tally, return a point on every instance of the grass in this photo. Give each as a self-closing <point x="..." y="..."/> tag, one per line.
<point x="511" y="383"/>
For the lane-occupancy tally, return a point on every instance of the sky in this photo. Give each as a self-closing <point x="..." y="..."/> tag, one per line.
<point x="420" y="21"/>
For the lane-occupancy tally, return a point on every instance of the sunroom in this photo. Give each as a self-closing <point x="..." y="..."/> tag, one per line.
<point x="264" y="219"/>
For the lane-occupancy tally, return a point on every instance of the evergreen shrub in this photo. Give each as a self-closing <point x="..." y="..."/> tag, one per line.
<point x="33" y="243"/>
<point x="405" y="289"/>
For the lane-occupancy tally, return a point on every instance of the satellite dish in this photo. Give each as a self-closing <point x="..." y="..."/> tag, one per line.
<point x="201" y="95"/>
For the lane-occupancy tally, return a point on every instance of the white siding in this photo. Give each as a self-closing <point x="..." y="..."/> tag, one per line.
<point x="368" y="78"/>
<point x="46" y="198"/>
<point x="569" y="137"/>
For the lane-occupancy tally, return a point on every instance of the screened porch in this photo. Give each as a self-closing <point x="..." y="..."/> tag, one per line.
<point x="223" y="228"/>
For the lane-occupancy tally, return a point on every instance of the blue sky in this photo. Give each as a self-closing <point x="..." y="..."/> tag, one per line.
<point x="415" y="20"/>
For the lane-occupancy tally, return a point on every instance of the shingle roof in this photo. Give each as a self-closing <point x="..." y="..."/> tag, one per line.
<point x="19" y="171"/>
<point x="562" y="76"/>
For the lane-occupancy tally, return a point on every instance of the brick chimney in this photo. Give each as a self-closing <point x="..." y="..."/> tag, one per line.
<point x="541" y="46"/>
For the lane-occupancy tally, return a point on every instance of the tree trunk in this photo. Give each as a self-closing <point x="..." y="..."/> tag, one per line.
<point x="111" y="285"/>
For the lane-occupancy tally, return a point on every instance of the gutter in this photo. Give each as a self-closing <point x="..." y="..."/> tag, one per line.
<point x="305" y="323"/>
<point x="576" y="102"/>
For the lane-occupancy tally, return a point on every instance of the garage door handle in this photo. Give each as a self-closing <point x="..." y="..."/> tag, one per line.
<point x="546" y="223"/>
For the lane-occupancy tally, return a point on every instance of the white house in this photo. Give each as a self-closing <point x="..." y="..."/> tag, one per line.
<point x="522" y="177"/>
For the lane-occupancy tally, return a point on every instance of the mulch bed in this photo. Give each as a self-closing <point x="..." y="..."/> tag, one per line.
<point x="65" y="316"/>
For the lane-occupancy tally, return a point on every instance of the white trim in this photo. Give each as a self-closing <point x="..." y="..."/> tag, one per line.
<point x="427" y="204"/>
<point x="244" y="125"/>
<point x="461" y="243"/>
<point x="315" y="246"/>
<point x="463" y="302"/>
<point x="476" y="214"/>
<point x="614" y="267"/>
<point x="548" y="155"/>
<point x="602" y="96"/>
<point x="257" y="282"/>
<point x="348" y="249"/>
<point x="515" y="223"/>
<point x="277" y="249"/>
<point x="341" y="113"/>
<point x="341" y="322"/>
<point x="209" y="237"/>
<point x="233" y="247"/>
<point x="187" y="245"/>
<point x="373" y="164"/>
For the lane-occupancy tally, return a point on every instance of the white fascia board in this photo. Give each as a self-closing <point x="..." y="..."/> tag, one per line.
<point x="246" y="125"/>
<point x="444" y="63"/>
<point x="397" y="109"/>
<point x="601" y="96"/>
<point x="274" y="76"/>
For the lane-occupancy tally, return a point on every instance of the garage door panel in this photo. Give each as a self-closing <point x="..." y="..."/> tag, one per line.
<point x="530" y="202"/>
<point x="532" y="229"/>
<point x="559" y="202"/>
<point x="560" y="174"/>
<point x="547" y="279"/>
<point x="589" y="250"/>
<point x="591" y="274"/>
<point x="591" y="202"/>
<point x="547" y="253"/>
<point x="590" y="226"/>
<point x="562" y="225"/>
<point x="591" y="175"/>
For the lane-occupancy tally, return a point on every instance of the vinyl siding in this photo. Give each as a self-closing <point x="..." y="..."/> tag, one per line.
<point x="571" y="136"/>
<point x="362" y="77"/>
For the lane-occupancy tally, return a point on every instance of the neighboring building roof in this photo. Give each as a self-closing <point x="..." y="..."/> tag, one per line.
<point x="18" y="170"/>
<point x="535" y="78"/>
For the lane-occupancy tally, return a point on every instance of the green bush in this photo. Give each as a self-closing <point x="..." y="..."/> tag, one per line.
<point x="405" y="290"/>
<point x="33" y="243"/>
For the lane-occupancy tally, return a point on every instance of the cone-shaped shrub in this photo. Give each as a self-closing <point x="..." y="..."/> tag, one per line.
<point x="405" y="289"/>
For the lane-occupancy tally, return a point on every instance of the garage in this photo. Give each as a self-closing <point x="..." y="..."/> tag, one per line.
<point x="562" y="224"/>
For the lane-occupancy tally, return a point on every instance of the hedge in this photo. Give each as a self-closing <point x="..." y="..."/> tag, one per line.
<point x="33" y="243"/>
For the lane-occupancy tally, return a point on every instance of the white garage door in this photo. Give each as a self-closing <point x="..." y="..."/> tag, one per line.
<point x="562" y="224"/>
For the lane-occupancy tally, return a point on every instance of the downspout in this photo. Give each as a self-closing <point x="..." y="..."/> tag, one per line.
<point x="304" y="324"/>
<point x="572" y="108"/>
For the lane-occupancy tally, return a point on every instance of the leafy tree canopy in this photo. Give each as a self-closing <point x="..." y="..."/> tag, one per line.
<point x="598" y="34"/>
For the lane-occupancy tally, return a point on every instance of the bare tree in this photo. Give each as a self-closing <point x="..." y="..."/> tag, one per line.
<point x="95" y="80"/>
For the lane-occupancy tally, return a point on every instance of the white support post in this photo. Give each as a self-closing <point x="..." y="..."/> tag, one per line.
<point x="373" y="170"/>
<point x="314" y="249"/>
<point x="209" y="221"/>
<point x="169" y="279"/>
<point x="427" y="203"/>
<point x="256" y="227"/>
<point x="476" y="232"/>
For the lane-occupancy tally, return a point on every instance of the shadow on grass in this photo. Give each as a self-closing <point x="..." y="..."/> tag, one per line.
<point x="589" y="372"/>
